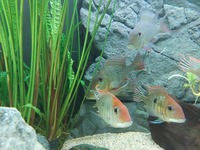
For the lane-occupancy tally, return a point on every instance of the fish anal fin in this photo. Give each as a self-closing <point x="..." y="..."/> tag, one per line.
<point x="138" y="63"/>
<point x="149" y="111"/>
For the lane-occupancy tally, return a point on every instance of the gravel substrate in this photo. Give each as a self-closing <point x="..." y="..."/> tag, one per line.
<point x="119" y="141"/>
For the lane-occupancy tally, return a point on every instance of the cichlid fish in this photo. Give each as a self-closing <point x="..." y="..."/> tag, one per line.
<point x="190" y="64"/>
<point x="146" y="30"/>
<point x="160" y="104"/>
<point x="112" y="110"/>
<point x="114" y="75"/>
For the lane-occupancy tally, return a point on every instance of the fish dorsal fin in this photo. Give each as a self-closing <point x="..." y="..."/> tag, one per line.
<point x="157" y="90"/>
<point x="138" y="95"/>
<point x="114" y="65"/>
<point x="148" y="15"/>
<point x="120" y="61"/>
<point x="184" y="63"/>
<point x="194" y="62"/>
<point x="188" y="62"/>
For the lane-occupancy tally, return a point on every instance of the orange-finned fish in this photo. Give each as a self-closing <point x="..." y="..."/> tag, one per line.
<point x="160" y="104"/>
<point x="146" y="30"/>
<point x="190" y="64"/>
<point x="112" y="110"/>
<point x="114" y="75"/>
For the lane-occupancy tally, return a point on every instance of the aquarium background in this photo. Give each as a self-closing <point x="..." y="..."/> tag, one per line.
<point x="182" y="19"/>
<point x="50" y="50"/>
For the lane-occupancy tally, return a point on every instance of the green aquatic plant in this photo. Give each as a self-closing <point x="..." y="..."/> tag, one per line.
<point x="193" y="83"/>
<point x="46" y="91"/>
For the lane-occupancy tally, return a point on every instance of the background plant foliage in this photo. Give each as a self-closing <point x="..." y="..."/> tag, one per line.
<point x="193" y="83"/>
<point x="45" y="92"/>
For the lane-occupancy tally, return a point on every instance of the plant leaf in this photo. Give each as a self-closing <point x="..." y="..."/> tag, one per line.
<point x="3" y="86"/>
<point x="35" y="109"/>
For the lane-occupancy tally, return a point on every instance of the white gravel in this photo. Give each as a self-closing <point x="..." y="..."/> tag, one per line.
<point x="116" y="141"/>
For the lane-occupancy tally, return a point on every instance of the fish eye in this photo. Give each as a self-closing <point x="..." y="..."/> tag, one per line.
<point x="100" y="79"/>
<point x="170" y="107"/>
<point x="139" y="33"/>
<point x="116" y="110"/>
<point x="155" y="100"/>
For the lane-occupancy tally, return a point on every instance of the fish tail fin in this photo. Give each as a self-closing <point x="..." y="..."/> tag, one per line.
<point x="185" y="64"/>
<point x="138" y="63"/>
<point x="138" y="95"/>
<point x="164" y="28"/>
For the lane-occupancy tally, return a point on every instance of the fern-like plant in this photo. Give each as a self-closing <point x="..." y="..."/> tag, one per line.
<point x="44" y="92"/>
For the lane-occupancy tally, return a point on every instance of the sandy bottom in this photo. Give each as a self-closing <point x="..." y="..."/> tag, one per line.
<point x="119" y="141"/>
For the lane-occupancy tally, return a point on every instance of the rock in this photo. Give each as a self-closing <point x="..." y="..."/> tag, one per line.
<point x="175" y="15"/>
<point x="15" y="133"/>
<point x="194" y="32"/>
<point x="43" y="141"/>
<point x="191" y="14"/>
<point x="86" y="4"/>
<point x="156" y="4"/>
<point x="179" y="3"/>
<point x="126" y="141"/>
<point x="127" y="17"/>
<point x="195" y="2"/>
<point x="88" y="147"/>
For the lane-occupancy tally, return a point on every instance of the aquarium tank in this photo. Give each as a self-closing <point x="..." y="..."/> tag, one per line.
<point x="100" y="74"/>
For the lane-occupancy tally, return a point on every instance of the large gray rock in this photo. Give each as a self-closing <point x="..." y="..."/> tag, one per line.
<point x="15" y="134"/>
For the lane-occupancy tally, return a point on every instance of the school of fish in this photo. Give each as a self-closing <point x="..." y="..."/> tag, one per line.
<point x="114" y="79"/>
<point x="114" y="76"/>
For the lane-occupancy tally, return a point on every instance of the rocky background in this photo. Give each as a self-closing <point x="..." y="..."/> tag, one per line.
<point x="15" y="133"/>
<point x="182" y="18"/>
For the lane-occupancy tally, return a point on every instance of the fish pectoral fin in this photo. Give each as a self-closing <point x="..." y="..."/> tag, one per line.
<point x="150" y="111"/>
<point x="116" y="90"/>
<point x="157" y="121"/>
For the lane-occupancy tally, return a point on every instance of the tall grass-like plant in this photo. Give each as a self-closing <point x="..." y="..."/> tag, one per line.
<point x="45" y="93"/>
